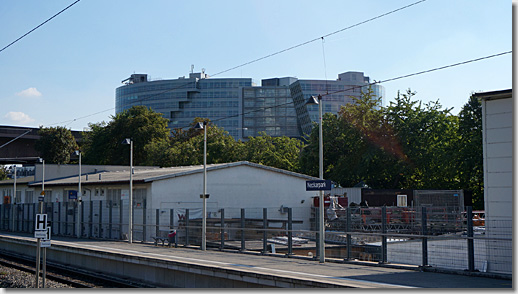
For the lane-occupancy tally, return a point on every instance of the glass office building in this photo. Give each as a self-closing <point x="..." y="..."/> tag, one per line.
<point x="277" y="107"/>
<point x="341" y="91"/>
<point x="184" y="99"/>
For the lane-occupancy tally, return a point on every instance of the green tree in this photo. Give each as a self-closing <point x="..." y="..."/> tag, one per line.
<point x="185" y="147"/>
<point x="3" y="173"/>
<point x="102" y="145"/>
<point x="470" y="154"/>
<point x="56" y="144"/>
<point x="428" y="135"/>
<point x="358" y="145"/>
<point x="280" y="152"/>
<point x="405" y="145"/>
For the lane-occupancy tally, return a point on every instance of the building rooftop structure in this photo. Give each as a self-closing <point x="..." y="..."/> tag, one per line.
<point x="148" y="174"/>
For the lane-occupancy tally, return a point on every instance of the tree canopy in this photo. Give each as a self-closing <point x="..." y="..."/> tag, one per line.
<point x="3" y="173"/>
<point x="185" y="147"/>
<point x="470" y="154"/>
<point x="56" y="144"/>
<point x="405" y="145"/>
<point x="103" y="144"/>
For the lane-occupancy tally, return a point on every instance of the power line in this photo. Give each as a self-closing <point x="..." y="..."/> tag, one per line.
<point x="18" y="137"/>
<point x="319" y="38"/>
<point x="339" y="91"/>
<point x="370" y="84"/>
<point x="39" y="26"/>
<point x="75" y="119"/>
<point x="270" y="55"/>
<point x="139" y="100"/>
<point x="423" y="72"/>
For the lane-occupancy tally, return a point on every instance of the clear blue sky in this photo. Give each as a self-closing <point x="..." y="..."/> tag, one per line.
<point x="69" y="68"/>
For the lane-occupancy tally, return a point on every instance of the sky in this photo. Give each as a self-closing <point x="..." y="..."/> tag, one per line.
<point x="65" y="72"/>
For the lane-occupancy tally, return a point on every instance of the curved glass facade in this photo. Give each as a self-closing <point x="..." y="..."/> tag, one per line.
<point x="241" y="108"/>
<point x="182" y="100"/>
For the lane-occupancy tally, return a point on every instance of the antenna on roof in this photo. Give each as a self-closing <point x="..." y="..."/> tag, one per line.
<point x="192" y="68"/>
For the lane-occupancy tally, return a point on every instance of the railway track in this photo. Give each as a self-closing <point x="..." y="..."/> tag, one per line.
<point x="75" y="278"/>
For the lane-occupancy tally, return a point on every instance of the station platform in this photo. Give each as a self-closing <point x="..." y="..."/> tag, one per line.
<point x="192" y="268"/>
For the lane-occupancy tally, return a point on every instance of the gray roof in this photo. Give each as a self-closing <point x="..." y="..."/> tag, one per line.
<point x="493" y="95"/>
<point x="156" y="174"/>
<point x="23" y="180"/>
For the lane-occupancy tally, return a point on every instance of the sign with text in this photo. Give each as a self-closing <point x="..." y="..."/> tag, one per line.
<point x="40" y="234"/>
<point x="45" y="241"/>
<point x="41" y="222"/>
<point x="72" y="194"/>
<point x="318" y="185"/>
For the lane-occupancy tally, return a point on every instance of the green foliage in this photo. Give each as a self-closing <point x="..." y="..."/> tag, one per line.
<point x="185" y="147"/>
<point x="102" y="145"/>
<point x="280" y="152"/>
<point x="470" y="159"/>
<point x="56" y="144"/>
<point x="427" y="134"/>
<point x="3" y="173"/>
<point x="358" y="143"/>
<point x="407" y="144"/>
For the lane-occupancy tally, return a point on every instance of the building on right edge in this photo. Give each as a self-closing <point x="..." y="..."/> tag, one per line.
<point x="497" y="138"/>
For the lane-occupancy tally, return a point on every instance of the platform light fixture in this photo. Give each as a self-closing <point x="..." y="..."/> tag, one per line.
<point x="129" y="141"/>
<point x="312" y="101"/>
<point x="204" y="196"/>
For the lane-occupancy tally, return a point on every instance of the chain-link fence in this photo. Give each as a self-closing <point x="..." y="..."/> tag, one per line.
<point x="440" y="237"/>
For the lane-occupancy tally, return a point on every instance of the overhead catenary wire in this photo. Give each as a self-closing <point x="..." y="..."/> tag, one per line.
<point x="23" y="36"/>
<point x="319" y="38"/>
<point x="139" y="101"/>
<point x="371" y="84"/>
<point x="271" y="55"/>
<point x="344" y="90"/>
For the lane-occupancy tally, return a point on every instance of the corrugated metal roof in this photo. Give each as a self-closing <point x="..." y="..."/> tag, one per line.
<point x="155" y="174"/>
<point x="23" y="180"/>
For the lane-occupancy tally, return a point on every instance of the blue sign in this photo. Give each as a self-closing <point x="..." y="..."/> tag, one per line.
<point x="72" y="194"/>
<point x="318" y="185"/>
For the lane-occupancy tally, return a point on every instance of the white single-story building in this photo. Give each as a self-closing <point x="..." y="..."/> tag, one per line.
<point x="231" y="186"/>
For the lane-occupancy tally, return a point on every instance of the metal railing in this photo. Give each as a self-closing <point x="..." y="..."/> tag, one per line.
<point x="439" y="237"/>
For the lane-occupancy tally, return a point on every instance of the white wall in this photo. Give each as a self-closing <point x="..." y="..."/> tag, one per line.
<point x="237" y="187"/>
<point x="498" y="158"/>
<point x="498" y="179"/>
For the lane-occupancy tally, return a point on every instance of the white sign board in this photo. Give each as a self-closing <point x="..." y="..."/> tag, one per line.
<point x="44" y="236"/>
<point x="40" y="234"/>
<point x="47" y="234"/>
<point x="124" y="194"/>
<point x="41" y="222"/>
<point x="45" y="242"/>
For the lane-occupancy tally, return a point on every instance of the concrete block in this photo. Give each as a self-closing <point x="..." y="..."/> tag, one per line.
<point x="190" y="280"/>
<point x="283" y="284"/>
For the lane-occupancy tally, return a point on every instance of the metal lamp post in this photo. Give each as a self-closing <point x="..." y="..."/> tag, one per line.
<point x="204" y="196"/>
<point x="14" y="199"/>
<point x="38" y="261"/>
<point x="128" y="141"/>
<point x="311" y="101"/>
<point x="79" y="194"/>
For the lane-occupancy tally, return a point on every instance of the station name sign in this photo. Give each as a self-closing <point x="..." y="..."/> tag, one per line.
<point x="318" y="185"/>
